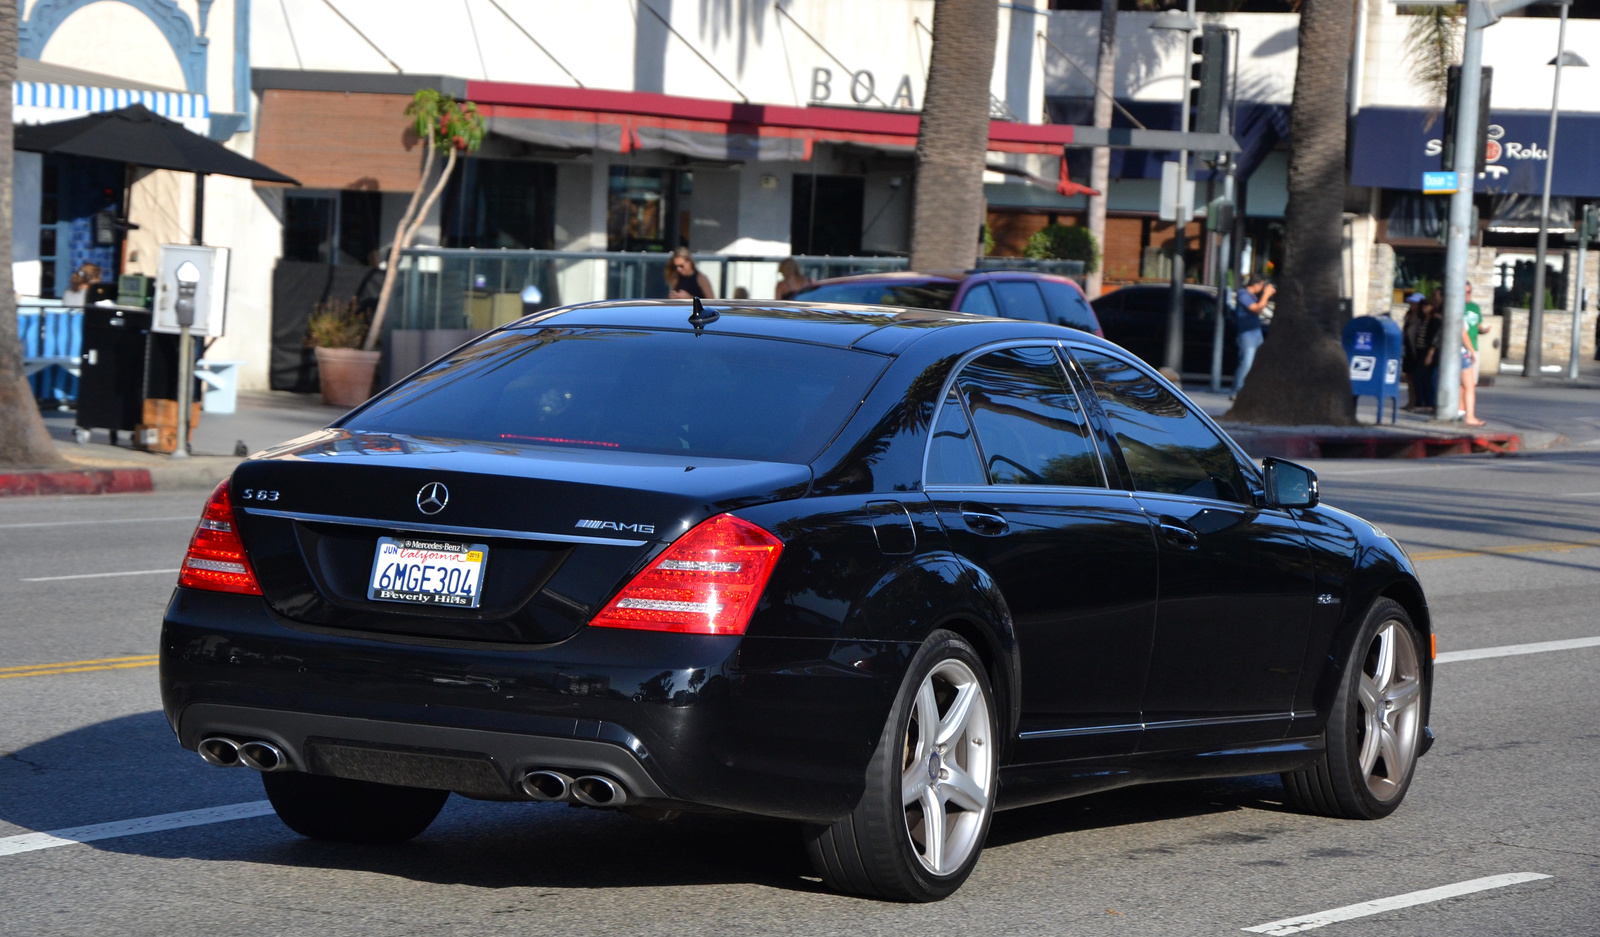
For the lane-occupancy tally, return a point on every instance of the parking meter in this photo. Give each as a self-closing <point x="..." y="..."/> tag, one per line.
<point x="187" y="278"/>
<point x="1373" y="346"/>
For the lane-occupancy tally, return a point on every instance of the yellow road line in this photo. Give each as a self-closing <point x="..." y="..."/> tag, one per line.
<point x="1512" y="548"/>
<point x="79" y="666"/>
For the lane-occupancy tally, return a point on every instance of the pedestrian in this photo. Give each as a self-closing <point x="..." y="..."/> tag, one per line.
<point x="1428" y="357"/>
<point x="78" y="284"/>
<point x="1410" y="356"/>
<point x="1471" y="318"/>
<point x="1252" y="300"/>
<point x="791" y="279"/>
<point x="684" y="279"/>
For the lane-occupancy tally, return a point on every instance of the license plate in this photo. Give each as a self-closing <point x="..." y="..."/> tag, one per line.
<point x="427" y="572"/>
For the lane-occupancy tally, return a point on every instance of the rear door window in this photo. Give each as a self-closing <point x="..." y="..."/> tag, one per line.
<point x="634" y="390"/>
<point x="1167" y="447"/>
<point x="1019" y="299"/>
<point x="1068" y="306"/>
<point x="979" y="301"/>
<point x="1030" y="427"/>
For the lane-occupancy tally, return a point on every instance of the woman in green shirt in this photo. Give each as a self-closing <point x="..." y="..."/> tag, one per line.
<point x="1471" y="318"/>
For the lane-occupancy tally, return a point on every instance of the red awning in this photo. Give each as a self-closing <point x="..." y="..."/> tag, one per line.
<point x="623" y="121"/>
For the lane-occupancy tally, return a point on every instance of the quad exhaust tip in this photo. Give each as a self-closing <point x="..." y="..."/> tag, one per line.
<point x="596" y="790"/>
<point x="224" y="752"/>
<point x="547" y="785"/>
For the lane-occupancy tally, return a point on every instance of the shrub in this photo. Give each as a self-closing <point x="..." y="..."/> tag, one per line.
<point x="337" y="323"/>
<point x="1064" y="242"/>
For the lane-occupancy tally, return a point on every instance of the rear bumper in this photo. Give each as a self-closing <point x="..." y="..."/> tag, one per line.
<point x="775" y="726"/>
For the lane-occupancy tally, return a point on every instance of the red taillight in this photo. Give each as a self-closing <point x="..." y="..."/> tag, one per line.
<point x="216" y="559"/>
<point x="708" y="582"/>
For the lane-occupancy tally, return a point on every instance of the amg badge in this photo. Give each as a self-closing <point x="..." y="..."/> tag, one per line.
<point x="616" y="525"/>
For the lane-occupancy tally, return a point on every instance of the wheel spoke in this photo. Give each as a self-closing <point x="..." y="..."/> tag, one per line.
<point x="1369" y="693"/>
<point x="955" y="720"/>
<point x="1403" y="694"/>
<point x="927" y="719"/>
<point x="1369" y="747"/>
<point x="913" y="782"/>
<point x="963" y="790"/>
<point x="933" y="831"/>
<point x="1393" y="760"/>
<point x="1383" y="672"/>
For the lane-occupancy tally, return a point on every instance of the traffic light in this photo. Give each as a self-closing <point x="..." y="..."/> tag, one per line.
<point x="1447" y="157"/>
<point x="1208" y="76"/>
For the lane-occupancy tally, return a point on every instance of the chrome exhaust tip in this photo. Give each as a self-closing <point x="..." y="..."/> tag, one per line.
<point x="219" y="751"/>
<point x="546" y="785"/>
<point x="263" y="756"/>
<point x="597" y="790"/>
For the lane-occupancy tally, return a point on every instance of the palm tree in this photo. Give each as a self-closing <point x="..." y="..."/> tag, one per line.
<point x="947" y="215"/>
<point x="23" y="438"/>
<point x="1105" y="76"/>
<point x="1301" y="375"/>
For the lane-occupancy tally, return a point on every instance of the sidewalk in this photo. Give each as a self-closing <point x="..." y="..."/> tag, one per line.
<point x="262" y="419"/>
<point x="1520" y="413"/>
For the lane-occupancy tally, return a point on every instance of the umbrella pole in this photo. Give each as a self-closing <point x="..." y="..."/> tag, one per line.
<point x="185" y="342"/>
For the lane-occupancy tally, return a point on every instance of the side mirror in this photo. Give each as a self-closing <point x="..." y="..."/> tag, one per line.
<point x="1290" y="485"/>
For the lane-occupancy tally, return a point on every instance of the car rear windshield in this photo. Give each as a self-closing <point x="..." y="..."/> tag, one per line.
<point x="632" y="390"/>
<point x="931" y="295"/>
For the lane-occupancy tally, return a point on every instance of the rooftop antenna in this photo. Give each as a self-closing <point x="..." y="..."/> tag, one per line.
<point x="699" y="318"/>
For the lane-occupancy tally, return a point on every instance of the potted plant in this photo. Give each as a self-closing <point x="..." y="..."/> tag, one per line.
<point x="346" y="371"/>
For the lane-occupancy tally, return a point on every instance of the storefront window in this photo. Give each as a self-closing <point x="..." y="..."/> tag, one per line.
<point x="648" y="209"/>
<point x="825" y="216"/>
<point x="505" y="204"/>
<point x="308" y="226"/>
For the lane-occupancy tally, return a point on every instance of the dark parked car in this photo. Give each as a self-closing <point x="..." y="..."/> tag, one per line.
<point x="878" y="571"/>
<point x="1135" y="317"/>
<point x="1036" y="297"/>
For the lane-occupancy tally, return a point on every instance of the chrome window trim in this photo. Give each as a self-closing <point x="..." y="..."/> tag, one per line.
<point x="420" y="527"/>
<point x="1054" y="344"/>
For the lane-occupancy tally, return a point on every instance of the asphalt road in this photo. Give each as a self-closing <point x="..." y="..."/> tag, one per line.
<point x="1509" y="550"/>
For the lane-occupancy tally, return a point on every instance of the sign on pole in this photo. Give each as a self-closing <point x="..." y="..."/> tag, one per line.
<point x="1440" y="183"/>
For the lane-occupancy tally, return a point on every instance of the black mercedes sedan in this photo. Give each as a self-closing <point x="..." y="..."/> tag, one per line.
<point x="878" y="571"/>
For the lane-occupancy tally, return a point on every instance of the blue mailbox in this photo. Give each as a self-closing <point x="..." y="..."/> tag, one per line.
<point x="1373" y="345"/>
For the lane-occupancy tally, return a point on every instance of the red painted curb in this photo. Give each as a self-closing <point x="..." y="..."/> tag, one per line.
<point x="1358" y="445"/>
<point x="74" y="482"/>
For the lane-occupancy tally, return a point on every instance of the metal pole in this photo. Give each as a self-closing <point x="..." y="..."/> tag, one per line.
<point x="197" y="234"/>
<point x="1533" y="350"/>
<point x="1469" y="138"/>
<point x="1180" y="224"/>
<point x="1579" y="294"/>
<point x="1224" y="257"/>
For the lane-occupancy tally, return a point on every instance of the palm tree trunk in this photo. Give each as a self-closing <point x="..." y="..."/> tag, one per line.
<point x="948" y="213"/>
<point x="23" y="438"/>
<point x="1105" y="75"/>
<point x="1301" y="375"/>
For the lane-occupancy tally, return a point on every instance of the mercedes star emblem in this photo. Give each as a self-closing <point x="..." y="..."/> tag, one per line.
<point x="432" y="498"/>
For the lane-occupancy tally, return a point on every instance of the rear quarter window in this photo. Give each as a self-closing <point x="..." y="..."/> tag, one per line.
<point x="1068" y="306"/>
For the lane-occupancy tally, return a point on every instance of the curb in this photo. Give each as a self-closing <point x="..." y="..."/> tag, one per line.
<point x="75" y="482"/>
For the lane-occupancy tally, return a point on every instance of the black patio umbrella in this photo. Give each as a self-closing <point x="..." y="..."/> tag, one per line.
<point x="137" y="135"/>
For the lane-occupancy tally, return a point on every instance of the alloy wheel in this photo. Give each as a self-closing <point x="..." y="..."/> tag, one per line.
<point x="1390" y="696"/>
<point x="947" y="770"/>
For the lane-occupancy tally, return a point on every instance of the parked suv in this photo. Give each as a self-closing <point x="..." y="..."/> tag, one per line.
<point x="1011" y="294"/>
<point x="1135" y="317"/>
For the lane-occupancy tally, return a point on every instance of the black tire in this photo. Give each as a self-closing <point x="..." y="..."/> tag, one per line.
<point x="351" y="811"/>
<point x="874" y="851"/>
<point x="1338" y="785"/>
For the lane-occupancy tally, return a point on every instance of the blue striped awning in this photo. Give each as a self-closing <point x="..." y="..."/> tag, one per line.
<point x="173" y="104"/>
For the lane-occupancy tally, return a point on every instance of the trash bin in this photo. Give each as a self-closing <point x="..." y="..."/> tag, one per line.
<point x="111" y="376"/>
<point x="1373" y="346"/>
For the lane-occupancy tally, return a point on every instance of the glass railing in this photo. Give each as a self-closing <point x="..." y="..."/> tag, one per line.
<point x="457" y="288"/>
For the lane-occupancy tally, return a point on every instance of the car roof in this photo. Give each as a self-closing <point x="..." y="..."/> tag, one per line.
<point x="881" y="329"/>
<point x="951" y="278"/>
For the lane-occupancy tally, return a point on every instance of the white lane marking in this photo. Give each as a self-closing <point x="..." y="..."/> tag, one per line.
<point x="114" y="520"/>
<point x="28" y="842"/>
<point x="1512" y="650"/>
<point x="1294" y="925"/>
<point x="131" y="572"/>
<point x="1581" y="494"/>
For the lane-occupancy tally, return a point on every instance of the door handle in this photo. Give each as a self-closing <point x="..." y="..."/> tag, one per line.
<point x="1179" y="534"/>
<point x="984" y="520"/>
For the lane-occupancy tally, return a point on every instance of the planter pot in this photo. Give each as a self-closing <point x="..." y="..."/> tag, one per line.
<point x="346" y="375"/>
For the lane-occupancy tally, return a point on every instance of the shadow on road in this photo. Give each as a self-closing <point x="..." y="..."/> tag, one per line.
<point x="132" y="767"/>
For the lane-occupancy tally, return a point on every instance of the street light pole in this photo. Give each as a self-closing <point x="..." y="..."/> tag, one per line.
<point x="1533" y="349"/>
<point x="1184" y="23"/>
